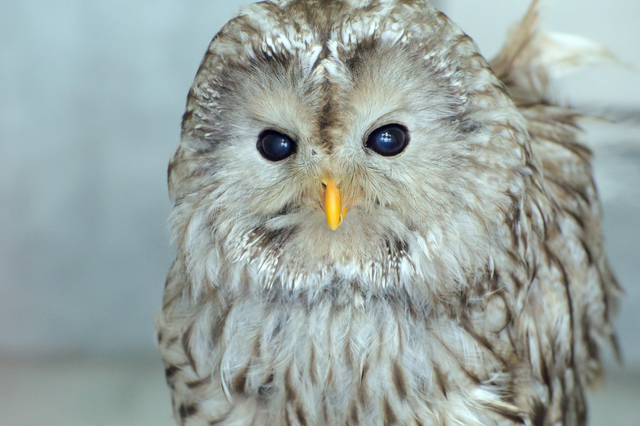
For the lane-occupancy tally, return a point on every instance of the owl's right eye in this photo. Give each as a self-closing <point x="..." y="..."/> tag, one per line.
<point x="389" y="140"/>
<point x="275" y="146"/>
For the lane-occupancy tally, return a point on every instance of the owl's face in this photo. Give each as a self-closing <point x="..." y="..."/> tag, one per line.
<point x="343" y="142"/>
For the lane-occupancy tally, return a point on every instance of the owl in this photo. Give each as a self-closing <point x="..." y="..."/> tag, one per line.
<point x="377" y="226"/>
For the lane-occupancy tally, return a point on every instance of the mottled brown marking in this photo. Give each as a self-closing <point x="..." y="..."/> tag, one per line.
<point x="516" y="281"/>
<point x="300" y="414"/>
<point x="325" y="409"/>
<point x="187" y="350"/>
<point x="501" y="88"/>
<point x="169" y="374"/>
<point x="513" y="416"/>
<point x="240" y="380"/>
<point x="362" y="389"/>
<point x="198" y="383"/>
<point x="539" y="413"/>
<point x="472" y="376"/>
<point x="442" y="16"/>
<point x="581" y="407"/>
<point x="569" y="190"/>
<point x="399" y="380"/>
<point x="188" y="114"/>
<point x="508" y="314"/>
<point x="265" y="389"/>
<point x="326" y="117"/>
<point x="576" y="217"/>
<point x="592" y="347"/>
<point x="544" y="369"/>
<point x="390" y="417"/>
<point x="168" y="300"/>
<point x="440" y="379"/>
<point x="187" y="411"/>
<point x="363" y="50"/>
<point x="564" y="401"/>
<point x="353" y="414"/>
<point x="512" y="219"/>
<point x="286" y="209"/>
<point x="348" y="355"/>
<point x="289" y="388"/>
<point x="553" y="259"/>
<point x="219" y="420"/>
<point x="269" y="239"/>
<point x="218" y="326"/>
<point x="481" y="340"/>
<point x="170" y="371"/>
<point x="329" y="378"/>
<point x="587" y="252"/>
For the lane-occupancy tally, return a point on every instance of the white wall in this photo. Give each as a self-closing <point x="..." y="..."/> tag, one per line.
<point x="91" y="95"/>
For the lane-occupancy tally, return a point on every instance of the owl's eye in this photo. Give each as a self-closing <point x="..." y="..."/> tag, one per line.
<point x="388" y="140"/>
<point x="275" y="146"/>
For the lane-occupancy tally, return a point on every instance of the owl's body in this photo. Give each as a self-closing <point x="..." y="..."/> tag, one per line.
<point x="468" y="282"/>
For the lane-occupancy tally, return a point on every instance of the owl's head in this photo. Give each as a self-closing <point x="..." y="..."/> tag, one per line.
<point x="344" y="141"/>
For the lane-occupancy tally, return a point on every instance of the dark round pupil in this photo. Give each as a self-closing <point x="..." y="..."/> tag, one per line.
<point x="388" y="140"/>
<point x="275" y="146"/>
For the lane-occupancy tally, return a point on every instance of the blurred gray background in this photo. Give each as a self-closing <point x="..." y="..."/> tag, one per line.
<point x="91" y="95"/>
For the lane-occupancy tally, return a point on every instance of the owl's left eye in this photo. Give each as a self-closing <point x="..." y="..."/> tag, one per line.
<point x="389" y="140"/>
<point x="275" y="146"/>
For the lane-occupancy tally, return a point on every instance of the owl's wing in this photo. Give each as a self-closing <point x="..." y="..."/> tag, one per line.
<point x="575" y="267"/>
<point x="178" y="343"/>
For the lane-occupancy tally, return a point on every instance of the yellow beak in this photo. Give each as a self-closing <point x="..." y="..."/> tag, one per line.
<point x="333" y="204"/>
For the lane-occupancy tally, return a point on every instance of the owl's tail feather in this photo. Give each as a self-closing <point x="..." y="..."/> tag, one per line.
<point x="531" y="60"/>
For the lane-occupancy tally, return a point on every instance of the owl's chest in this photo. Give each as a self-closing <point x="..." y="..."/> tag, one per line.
<point x="379" y="358"/>
<point x="302" y="354"/>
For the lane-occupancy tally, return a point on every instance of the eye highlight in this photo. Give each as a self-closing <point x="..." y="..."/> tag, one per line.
<point x="275" y="146"/>
<point x="389" y="140"/>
